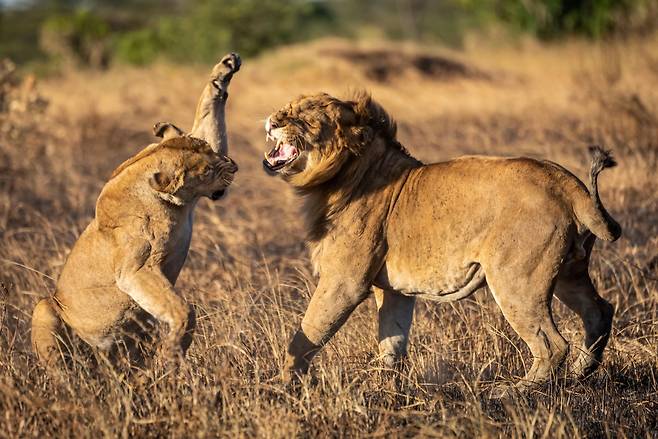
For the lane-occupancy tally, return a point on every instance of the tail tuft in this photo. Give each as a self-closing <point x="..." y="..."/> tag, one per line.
<point x="601" y="159"/>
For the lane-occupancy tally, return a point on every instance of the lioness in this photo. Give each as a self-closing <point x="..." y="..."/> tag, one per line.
<point x="376" y="216"/>
<point x="123" y="268"/>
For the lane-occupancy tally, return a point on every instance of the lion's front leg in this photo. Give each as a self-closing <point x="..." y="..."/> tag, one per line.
<point x="331" y="305"/>
<point x="395" y="313"/>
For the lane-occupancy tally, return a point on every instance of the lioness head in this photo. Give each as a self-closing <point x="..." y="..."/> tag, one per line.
<point x="189" y="169"/>
<point x="316" y="135"/>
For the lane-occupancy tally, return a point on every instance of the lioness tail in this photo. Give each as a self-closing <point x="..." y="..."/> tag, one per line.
<point x="46" y="324"/>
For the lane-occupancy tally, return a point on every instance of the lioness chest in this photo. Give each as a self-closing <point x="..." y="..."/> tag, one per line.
<point x="177" y="244"/>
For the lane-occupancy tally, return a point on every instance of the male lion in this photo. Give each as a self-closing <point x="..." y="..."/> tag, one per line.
<point x="122" y="270"/>
<point x="378" y="217"/>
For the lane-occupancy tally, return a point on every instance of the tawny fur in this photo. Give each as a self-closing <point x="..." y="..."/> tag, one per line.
<point x="377" y="217"/>
<point x="122" y="270"/>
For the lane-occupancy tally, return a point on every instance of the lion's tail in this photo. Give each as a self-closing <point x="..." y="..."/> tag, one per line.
<point x="591" y="212"/>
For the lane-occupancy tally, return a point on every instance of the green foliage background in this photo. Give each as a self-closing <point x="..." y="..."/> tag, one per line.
<point x="96" y="32"/>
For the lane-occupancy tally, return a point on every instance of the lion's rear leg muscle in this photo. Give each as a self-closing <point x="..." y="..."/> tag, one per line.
<point x="395" y="313"/>
<point x="328" y="309"/>
<point x="575" y="289"/>
<point x="46" y="327"/>
<point x="526" y="304"/>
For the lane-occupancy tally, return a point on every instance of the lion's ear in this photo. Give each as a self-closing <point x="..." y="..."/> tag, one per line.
<point x="360" y="137"/>
<point x="166" y="184"/>
<point x="364" y="135"/>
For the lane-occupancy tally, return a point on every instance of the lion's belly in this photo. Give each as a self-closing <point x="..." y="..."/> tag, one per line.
<point x="432" y="266"/>
<point x="434" y="240"/>
<point x="439" y="282"/>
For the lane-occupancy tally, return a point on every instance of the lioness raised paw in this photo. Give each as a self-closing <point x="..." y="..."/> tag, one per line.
<point x="223" y="72"/>
<point x="209" y="121"/>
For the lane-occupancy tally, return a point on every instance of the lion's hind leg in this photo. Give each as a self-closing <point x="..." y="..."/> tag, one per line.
<point x="47" y="327"/>
<point x="395" y="313"/>
<point x="575" y="289"/>
<point x="526" y="304"/>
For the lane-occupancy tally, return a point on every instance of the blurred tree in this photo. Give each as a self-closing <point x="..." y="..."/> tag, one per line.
<point x="207" y="28"/>
<point x="77" y="38"/>
<point x="139" y="31"/>
<point x="555" y="18"/>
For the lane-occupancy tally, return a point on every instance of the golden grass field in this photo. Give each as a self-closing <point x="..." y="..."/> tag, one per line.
<point x="248" y="272"/>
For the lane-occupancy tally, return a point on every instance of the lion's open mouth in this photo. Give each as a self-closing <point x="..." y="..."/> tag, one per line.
<point x="281" y="155"/>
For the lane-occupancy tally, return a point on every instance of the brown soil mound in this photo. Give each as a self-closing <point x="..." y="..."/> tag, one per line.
<point x="384" y="65"/>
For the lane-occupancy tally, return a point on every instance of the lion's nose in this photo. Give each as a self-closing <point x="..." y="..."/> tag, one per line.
<point x="270" y="125"/>
<point x="232" y="162"/>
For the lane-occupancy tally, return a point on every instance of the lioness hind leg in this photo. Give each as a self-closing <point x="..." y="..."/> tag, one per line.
<point x="576" y="290"/>
<point x="530" y="316"/>
<point x="46" y="327"/>
<point x="395" y="313"/>
<point x="190" y="326"/>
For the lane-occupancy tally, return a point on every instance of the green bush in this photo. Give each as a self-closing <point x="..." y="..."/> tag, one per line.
<point x="79" y="37"/>
<point x="555" y="18"/>
<point x="138" y="47"/>
<point x="212" y="27"/>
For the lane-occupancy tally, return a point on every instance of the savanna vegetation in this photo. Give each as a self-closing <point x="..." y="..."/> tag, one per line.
<point x="248" y="273"/>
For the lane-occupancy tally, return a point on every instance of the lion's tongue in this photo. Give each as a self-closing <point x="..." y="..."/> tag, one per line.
<point x="282" y="154"/>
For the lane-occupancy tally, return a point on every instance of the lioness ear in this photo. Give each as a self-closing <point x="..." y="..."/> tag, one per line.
<point x="166" y="185"/>
<point x="160" y="181"/>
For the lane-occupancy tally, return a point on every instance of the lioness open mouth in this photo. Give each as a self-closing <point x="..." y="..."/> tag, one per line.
<point x="217" y="194"/>
<point x="281" y="155"/>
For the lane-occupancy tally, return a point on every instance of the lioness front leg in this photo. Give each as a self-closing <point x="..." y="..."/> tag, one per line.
<point x="395" y="313"/>
<point x="331" y="305"/>
<point x="153" y="292"/>
<point x="209" y="120"/>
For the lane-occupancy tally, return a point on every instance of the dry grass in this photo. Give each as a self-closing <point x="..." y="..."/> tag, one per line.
<point x="248" y="273"/>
